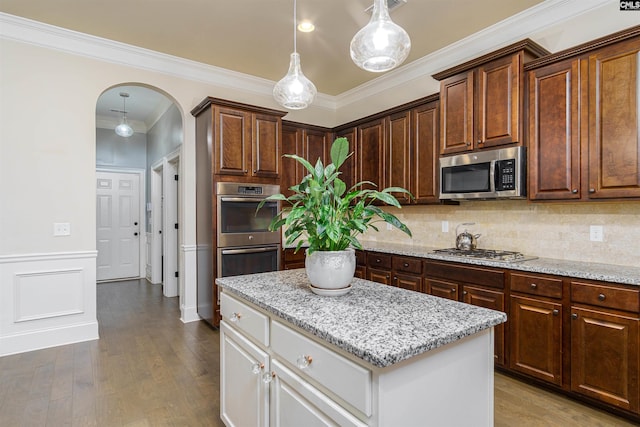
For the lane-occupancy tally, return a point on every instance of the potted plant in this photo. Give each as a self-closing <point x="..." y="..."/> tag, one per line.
<point x="327" y="217"/>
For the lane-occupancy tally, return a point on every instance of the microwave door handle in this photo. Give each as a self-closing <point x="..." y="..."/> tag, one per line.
<point x="242" y="199"/>
<point x="492" y="176"/>
<point x="248" y="250"/>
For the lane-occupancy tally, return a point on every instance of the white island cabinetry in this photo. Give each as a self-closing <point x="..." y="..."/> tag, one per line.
<point x="292" y="358"/>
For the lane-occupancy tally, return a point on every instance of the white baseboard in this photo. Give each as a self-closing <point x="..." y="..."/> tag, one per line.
<point x="190" y="314"/>
<point x="37" y="340"/>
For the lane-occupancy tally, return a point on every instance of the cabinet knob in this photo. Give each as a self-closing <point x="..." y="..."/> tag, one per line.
<point x="304" y="361"/>
<point x="601" y="297"/>
<point x="406" y="264"/>
<point x="574" y="191"/>
<point x="255" y="171"/>
<point x="534" y="286"/>
<point x="468" y="144"/>
<point x="574" y="316"/>
<point x="268" y="377"/>
<point x="556" y="312"/>
<point x="378" y="260"/>
<point x="592" y="190"/>
<point x="257" y="368"/>
<point x="453" y="290"/>
<point x="480" y="142"/>
<point x="464" y="292"/>
<point x="235" y="317"/>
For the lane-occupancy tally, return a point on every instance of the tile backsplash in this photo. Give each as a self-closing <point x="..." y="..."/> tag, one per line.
<point x="549" y="230"/>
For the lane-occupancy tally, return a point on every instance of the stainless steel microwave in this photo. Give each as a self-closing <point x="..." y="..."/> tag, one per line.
<point x="490" y="174"/>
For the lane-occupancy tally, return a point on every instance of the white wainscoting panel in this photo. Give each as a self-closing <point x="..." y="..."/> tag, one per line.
<point x="188" y="285"/>
<point x="47" y="300"/>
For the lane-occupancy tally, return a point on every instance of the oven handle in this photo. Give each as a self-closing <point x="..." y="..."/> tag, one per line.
<point x="242" y="199"/>
<point x="249" y="250"/>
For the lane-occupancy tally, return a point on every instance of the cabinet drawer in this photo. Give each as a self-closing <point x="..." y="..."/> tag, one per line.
<point x="377" y="260"/>
<point x="290" y="255"/>
<point x="338" y="374"/>
<point x="606" y="296"/>
<point x="245" y="318"/>
<point x="536" y="285"/>
<point x="407" y="264"/>
<point x="464" y="273"/>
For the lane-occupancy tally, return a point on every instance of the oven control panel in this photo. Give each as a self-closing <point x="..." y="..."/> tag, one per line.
<point x="250" y="190"/>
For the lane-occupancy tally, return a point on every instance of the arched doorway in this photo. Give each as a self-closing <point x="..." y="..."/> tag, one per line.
<point x="137" y="231"/>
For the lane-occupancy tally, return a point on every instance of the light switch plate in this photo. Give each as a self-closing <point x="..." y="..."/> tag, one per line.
<point x="61" y="229"/>
<point x="445" y="226"/>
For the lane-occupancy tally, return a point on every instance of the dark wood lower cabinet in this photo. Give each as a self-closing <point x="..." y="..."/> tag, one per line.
<point x="536" y="338"/>
<point x="380" y="276"/>
<point x="495" y="301"/>
<point x="408" y="281"/>
<point x="604" y="357"/>
<point x="442" y="289"/>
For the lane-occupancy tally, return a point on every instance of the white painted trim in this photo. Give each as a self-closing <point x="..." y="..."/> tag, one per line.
<point x="188" y="294"/>
<point x="142" y="173"/>
<point x="156" y="222"/>
<point x="30" y="319"/>
<point x="169" y="219"/>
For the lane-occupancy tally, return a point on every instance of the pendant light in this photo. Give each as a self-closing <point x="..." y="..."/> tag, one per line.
<point x="294" y="91"/>
<point x="381" y="45"/>
<point x="123" y="129"/>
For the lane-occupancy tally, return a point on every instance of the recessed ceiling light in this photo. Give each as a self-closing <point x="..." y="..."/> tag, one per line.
<point x="306" y="26"/>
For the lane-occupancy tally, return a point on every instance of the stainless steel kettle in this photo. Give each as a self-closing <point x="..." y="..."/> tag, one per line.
<point x="466" y="241"/>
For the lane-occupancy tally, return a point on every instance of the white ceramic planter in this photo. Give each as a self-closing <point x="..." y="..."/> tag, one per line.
<point x="331" y="272"/>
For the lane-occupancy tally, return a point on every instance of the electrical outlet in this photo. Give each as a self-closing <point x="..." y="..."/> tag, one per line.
<point x="445" y="226"/>
<point x="61" y="229"/>
<point x="596" y="233"/>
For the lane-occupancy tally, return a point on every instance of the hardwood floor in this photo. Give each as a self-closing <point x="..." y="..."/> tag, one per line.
<point x="150" y="369"/>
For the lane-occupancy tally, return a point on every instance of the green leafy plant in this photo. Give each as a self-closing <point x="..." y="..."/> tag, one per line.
<point x="327" y="215"/>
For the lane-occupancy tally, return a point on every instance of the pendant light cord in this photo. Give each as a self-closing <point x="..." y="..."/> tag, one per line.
<point x="295" y="17"/>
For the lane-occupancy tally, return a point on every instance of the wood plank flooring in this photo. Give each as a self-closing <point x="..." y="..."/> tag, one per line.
<point x="150" y="369"/>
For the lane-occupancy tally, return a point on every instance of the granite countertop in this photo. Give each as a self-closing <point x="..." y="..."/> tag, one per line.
<point x="380" y="324"/>
<point x="583" y="270"/>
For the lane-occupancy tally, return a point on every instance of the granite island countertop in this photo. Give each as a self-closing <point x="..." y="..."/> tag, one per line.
<point x="583" y="270"/>
<point x="379" y="324"/>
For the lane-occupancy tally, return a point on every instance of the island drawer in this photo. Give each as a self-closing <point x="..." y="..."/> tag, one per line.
<point x="377" y="260"/>
<point x="606" y="296"/>
<point x="536" y="285"/>
<point x="245" y="318"/>
<point x="341" y="376"/>
<point x="407" y="264"/>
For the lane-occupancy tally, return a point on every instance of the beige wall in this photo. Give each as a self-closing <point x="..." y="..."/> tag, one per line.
<point x="550" y="230"/>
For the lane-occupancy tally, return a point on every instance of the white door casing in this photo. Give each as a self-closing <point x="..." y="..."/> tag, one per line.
<point x="118" y="224"/>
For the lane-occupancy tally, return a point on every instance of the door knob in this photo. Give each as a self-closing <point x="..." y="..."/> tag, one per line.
<point x="135" y="234"/>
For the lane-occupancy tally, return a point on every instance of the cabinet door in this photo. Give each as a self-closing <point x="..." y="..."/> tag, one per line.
<point x="348" y="168"/>
<point x="424" y="179"/>
<point x="292" y="172"/>
<point x="554" y="137"/>
<point x="266" y="146"/>
<point x="456" y="113"/>
<point x="370" y="152"/>
<point x="380" y="276"/>
<point x="614" y="122"/>
<point x="536" y="338"/>
<point x="244" y="397"/>
<point x="442" y="289"/>
<point x="408" y="281"/>
<point x="232" y="141"/>
<point x="604" y="357"/>
<point x="499" y="100"/>
<point x="316" y="145"/>
<point x="398" y="165"/>
<point x="495" y="301"/>
<point x="295" y="402"/>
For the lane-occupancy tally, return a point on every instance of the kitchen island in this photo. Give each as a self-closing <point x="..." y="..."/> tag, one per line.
<point x="377" y="356"/>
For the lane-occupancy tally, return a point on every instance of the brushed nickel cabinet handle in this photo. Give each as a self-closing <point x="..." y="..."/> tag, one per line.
<point x="574" y="316"/>
<point x="574" y="191"/>
<point x="556" y="312"/>
<point x="592" y="190"/>
<point x="601" y="297"/>
<point x="534" y="286"/>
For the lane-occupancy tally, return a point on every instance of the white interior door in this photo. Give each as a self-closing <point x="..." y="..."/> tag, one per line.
<point x="118" y="225"/>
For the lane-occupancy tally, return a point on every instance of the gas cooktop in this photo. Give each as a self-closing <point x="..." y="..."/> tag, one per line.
<point x="486" y="254"/>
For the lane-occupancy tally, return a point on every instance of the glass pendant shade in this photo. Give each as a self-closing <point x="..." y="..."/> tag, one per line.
<point x="381" y="45"/>
<point x="294" y="91"/>
<point x="123" y="129"/>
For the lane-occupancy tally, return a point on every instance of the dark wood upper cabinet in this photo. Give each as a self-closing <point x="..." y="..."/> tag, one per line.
<point x="398" y="150"/>
<point x="370" y="153"/>
<point x="425" y="142"/>
<point x="482" y="100"/>
<point x="316" y="145"/>
<point x="266" y="145"/>
<point x="232" y="141"/>
<point x="554" y="133"/>
<point x="348" y="168"/>
<point x="584" y="115"/>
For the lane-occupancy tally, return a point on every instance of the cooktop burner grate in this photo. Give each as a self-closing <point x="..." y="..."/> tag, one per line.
<point x="487" y="254"/>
